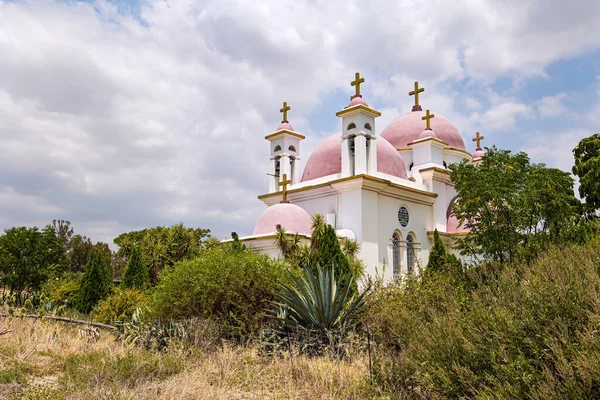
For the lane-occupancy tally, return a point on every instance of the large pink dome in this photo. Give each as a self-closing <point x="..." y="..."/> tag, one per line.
<point x="291" y="217"/>
<point x="327" y="159"/>
<point x="407" y="128"/>
<point x="452" y="225"/>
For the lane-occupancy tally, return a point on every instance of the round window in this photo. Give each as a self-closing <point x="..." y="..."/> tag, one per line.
<point x="403" y="216"/>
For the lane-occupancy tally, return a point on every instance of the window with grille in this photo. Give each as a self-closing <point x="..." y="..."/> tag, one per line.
<point x="403" y="216"/>
<point x="410" y="254"/>
<point x="396" y="255"/>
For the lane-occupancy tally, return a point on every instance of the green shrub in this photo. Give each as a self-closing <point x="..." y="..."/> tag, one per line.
<point x="119" y="306"/>
<point x="96" y="284"/>
<point x="62" y="291"/>
<point x="500" y="331"/>
<point x="136" y="273"/>
<point x="232" y="287"/>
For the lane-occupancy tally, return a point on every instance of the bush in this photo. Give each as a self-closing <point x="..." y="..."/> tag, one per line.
<point x="499" y="331"/>
<point x="96" y="284"/>
<point x="62" y="291"/>
<point x="119" y="306"/>
<point x="232" y="287"/>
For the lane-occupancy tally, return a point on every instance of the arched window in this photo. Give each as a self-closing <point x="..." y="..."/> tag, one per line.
<point x="352" y="125"/>
<point x="396" y="255"/>
<point x="292" y="148"/>
<point x="277" y="166"/>
<point x="368" y="126"/>
<point x="277" y="148"/>
<point x="410" y="254"/>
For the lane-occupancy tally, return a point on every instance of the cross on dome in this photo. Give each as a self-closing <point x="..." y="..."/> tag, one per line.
<point x="284" y="110"/>
<point x="427" y="117"/>
<point x="416" y="92"/>
<point x="478" y="139"/>
<point x="356" y="82"/>
<point x="284" y="183"/>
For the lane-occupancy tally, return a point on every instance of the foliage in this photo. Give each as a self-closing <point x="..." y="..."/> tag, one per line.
<point x="63" y="290"/>
<point x="330" y="253"/>
<point x="28" y="257"/>
<point x="587" y="168"/>
<point x="514" y="209"/>
<point x="120" y="305"/>
<point x="495" y="331"/>
<point x="321" y="303"/>
<point x="162" y="246"/>
<point x="96" y="284"/>
<point x="231" y="287"/>
<point x="136" y="273"/>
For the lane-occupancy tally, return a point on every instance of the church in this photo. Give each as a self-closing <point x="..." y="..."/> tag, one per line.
<point x="388" y="191"/>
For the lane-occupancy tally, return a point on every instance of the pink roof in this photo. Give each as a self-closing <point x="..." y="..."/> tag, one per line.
<point x="285" y="125"/>
<point x="452" y="222"/>
<point x="356" y="101"/>
<point x="292" y="218"/>
<point x="408" y="127"/>
<point x="427" y="133"/>
<point x="327" y="159"/>
<point x="478" y="154"/>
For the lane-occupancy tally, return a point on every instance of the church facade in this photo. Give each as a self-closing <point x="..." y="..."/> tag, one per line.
<point x="388" y="191"/>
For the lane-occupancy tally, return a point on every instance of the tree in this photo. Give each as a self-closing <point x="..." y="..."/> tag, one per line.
<point x="437" y="255"/>
<point x="512" y="208"/>
<point x="587" y="169"/>
<point x="330" y="253"/>
<point x="28" y="257"/>
<point x="136" y="273"/>
<point x="96" y="283"/>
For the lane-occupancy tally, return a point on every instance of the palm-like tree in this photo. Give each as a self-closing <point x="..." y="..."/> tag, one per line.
<point x="318" y="229"/>
<point x="350" y="248"/>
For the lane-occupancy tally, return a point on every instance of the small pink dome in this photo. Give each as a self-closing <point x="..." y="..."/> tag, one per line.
<point x="327" y="159"/>
<point x="291" y="217"/>
<point x="427" y="133"/>
<point x="452" y="225"/>
<point x="478" y="154"/>
<point x="285" y="125"/>
<point x="407" y="128"/>
<point x="357" y="100"/>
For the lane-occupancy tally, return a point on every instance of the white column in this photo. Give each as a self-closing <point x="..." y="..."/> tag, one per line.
<point x="296" y="171"/>
<point x="284" y="167"/>
<point x="272" y="178"/>
<point x="372" y="167"/>
<point x="346" y="162"/>
<point x="360" y="154"/>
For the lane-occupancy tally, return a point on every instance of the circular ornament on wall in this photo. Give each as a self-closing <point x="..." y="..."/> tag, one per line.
<point x="403" y="216"/>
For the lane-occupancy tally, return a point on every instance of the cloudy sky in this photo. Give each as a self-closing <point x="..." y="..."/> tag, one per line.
<point x="119" y="115"/>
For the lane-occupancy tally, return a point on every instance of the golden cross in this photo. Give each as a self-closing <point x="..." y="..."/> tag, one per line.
<point x="284" y="183"/>
<point x="357" y="83"/>
<point x="284" y="110"/>
<point x="416" y="93"/>
<point x="427" y="117"/>
<point x="478" y="139"/>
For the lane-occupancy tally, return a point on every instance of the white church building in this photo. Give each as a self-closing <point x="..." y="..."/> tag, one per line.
<point x="389" y="190"/>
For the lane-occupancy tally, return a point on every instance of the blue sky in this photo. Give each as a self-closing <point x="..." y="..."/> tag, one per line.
<point x="123" y="115"/>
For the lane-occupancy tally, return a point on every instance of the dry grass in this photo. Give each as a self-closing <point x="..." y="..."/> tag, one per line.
<point x="51" y="360"/>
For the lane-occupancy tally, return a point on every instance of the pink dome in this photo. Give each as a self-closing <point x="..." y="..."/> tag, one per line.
<point x="291" y="217"/>
<point x="285" y="125"/>
<point x="357" y="100"/>
<point x="427" y="133"/>
<point x="407" y="128"/>
<point x="478" y="154"/>
<point x="327" y="159"/>
<point x="452" y="225"/>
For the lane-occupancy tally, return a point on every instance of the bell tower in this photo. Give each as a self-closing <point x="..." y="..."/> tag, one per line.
<point x="284" y="157"/>
<point x="359" y="148"/>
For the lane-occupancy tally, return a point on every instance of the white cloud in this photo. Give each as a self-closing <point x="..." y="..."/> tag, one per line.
<point x="555" y="149"/>
<point x="119" y="124"/>
<point x="552" y="106"/>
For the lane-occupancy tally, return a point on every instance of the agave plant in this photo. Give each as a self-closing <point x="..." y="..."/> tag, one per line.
<point x="319" y="303"/>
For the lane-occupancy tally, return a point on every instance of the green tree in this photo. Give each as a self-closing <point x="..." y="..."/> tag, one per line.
<point x="162" y="246"/>
<point x="587" y="169"/>
<point x="136" y="273"/>
<point x="28" y="257"/>
<point x="330" y="253"/>
<point x="514" y="208"/>
<point x="437" y="255"/>
<point x="96" y="283"/>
